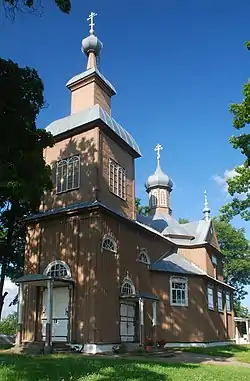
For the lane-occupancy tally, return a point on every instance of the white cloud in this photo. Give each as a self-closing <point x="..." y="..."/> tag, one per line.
<point x="12" y="290"/>
<point x="222" y="180"/>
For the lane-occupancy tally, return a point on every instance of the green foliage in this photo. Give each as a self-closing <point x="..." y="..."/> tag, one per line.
<point x="11" y="7"/>
<point x="24" y="176"/>
<point x="79" y="368"/>
<point x="236" y="255"/>
<point x="238" y="352"/>
<point x="8" y="325"/>
<point x="183" y="220"/>
<point x="240" y="310"/>
<point x="141" y="209"/>
<point x="239" y="186"/>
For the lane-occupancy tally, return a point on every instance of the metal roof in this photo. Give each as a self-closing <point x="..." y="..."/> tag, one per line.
<point x="176" y="263"/>
<point x="89" y="115"/>
<point x="86" y="74"/>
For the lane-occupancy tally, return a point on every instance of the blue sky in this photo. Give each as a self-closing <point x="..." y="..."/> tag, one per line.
<point x="176" y="65"/>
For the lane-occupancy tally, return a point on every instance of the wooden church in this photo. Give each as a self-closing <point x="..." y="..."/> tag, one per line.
<point x="98" y="274"/>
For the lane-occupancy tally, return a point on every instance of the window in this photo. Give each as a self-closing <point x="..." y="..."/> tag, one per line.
<point x="58" y="269"/>
<point x="163" y="197"/>
<point x="143" y="257"/>
<point x="154" y="197"/>
<point x="228" y="302"/>
<point x="210" y="297"/>
<point x="127" y="287"/>
<point x="109" y="244"/>
<point x="179" y="291"/>
<point x="214" y="260"/>
<point x="68" y="174"/>
<point x="220" y="301"/>
<point x="117" y="179"/>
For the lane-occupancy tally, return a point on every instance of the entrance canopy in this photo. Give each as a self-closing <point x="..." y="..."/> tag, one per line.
<point x="42" y="279"/>
<point x="141" y="295"/>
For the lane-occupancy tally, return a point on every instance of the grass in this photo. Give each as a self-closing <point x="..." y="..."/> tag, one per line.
<point x="238" y="352"/>
<point x="79" y="368"/>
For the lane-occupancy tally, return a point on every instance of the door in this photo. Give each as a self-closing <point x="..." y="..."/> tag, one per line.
<point x="60" y="318"/>
<point x="127" y="321"/>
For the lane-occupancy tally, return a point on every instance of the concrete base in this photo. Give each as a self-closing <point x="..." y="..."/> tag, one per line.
<point x="199" y="345"/>
<point x="106" y="348"/>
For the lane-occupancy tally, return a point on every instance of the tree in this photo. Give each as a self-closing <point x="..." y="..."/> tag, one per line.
<point x="141" y="209"/>
<point x="8" y="325"/>
<point x="183" y="220"/>
<point x="239" y="185"/>
<point x="235" y="249"/>
<point x="24" y="176"/>
<point x="11" y="7"/>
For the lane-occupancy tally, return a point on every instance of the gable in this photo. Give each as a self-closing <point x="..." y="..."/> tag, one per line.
<point x="212" y="237"/>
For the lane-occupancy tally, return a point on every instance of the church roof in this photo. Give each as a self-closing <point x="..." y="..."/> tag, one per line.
<point x="176" y="263"/>
<point x="88" y="73"/>
<point x="90" y="115"/>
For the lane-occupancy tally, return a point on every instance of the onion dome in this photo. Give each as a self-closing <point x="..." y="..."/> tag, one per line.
<point x="91" y="44"/>
<point x="159" y="180"/>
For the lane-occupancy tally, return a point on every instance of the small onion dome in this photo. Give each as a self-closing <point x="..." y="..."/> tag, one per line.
<point x="91" y="44"/>
<point x="159" y="179"/>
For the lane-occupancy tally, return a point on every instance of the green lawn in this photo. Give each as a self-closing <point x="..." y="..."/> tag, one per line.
<point x="238" y="352"/>
<point x="79" y="368"/>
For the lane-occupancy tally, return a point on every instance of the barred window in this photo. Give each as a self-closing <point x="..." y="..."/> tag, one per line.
<point x="143" y="257"/>
<point x="220" y="301"/>
<point x="117" y="179"/>
<point x="127" y="288"/>
<point x="179" y="291"/>
<point x="58" y="269"/>
<point x="68" y="174"/>
<point x="109" y="244"/>
<point x="163" y="197"/>
<point x="210" y="297"/>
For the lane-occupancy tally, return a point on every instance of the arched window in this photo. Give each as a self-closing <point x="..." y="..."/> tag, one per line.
<point x="143" y="257"/>
<point x="68" y="174"/>
<point x="127" y="287"/>
<point x="58" y="269"/>
<point x="163" y="197"/>
<point x="154" y="197"/>
<point x="109" y="244"/>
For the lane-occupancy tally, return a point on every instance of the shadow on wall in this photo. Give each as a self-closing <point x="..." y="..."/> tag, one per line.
<point x="195" y="323"/>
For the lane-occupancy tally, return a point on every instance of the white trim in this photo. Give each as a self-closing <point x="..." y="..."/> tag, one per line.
<point x="141" y="310"/>
<point x="110" y="238"/>
<point x="131" y="284"/>
<point x="118" y="173"/>
<point x="60" y="178"/>
<point x="154" y="318"/>
<point x="143" y="252"/>
<point x="228" y="299"/>
<point x="178" y="279"/>
<point x="199" y="345"/>
<point x="210" y="306"/>
<point x="220" y="308"/>
<point x="58" y="262"/>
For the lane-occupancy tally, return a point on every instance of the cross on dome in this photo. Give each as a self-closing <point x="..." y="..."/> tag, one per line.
<point x="158" y="149"/>
<point x="91" y="22"/>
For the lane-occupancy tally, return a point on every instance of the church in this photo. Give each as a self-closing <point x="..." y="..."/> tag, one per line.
<point x="96" y="272"/>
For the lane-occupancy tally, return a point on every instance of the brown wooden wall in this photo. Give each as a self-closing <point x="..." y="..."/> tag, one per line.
<point x="110" y="149"/>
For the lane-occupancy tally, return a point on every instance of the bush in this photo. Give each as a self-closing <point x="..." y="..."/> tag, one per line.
<point x="8" y="325"/>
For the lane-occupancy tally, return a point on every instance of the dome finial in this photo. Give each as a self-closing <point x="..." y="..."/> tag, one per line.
<point x="206" y="209"/>
<point x="91" y="22"/>
<point x="158" y="149"/>
<point x="91" y="46"/>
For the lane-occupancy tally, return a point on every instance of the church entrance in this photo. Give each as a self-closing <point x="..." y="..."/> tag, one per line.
<point x="128" y="321"/>
<point x="60" y="315"/>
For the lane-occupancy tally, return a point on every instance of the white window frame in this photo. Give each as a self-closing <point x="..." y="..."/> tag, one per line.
<point x="143" y="257"/>
<point x="154" y="198"/>
<point x="66" y="170"/>
<point x="58" y="263"/>
<point x="108" y="237"/>
<point x="214" y="260"/>
<point x="184" y="302"/>
<point x="127" y="282"/>
<point x="163" y="197"/>
<point x="117" y="179"/>
<point x="220" y="300"/>
<point x="228" y="302"/>
<point x="210" y="301"/>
